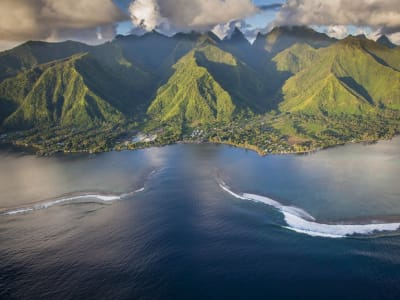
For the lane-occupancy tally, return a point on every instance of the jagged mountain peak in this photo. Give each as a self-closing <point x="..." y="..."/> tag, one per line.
<point x="385" y="41"/>
<point x="236" y="36"/>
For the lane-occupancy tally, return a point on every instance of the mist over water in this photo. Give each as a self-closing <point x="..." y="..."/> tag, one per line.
<point x="178" y="235"/>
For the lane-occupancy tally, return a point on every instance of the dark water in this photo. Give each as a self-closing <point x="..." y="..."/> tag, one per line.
<point x="184" y="237"/>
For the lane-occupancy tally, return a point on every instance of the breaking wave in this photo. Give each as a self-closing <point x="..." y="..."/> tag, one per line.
<point x="77" y="198"/>
<point x="300" y="221"/>
<point x="84" y="197"/>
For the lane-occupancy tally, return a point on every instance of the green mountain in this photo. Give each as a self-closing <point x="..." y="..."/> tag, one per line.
<point x="281" y="38"/>
<point x="82" y="90"/>
<point x="33" y="53"/>
<point x="296" y="58"/>
<point x="210" y="84"/>
<point x="192" y="94"/>
<point x="352" y="76"/>
<point x="294" y="84"/>
<point x="59" y="96"/>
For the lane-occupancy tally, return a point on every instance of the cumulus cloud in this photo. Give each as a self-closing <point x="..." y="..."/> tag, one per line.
<point x="183" y="15"/>
<point x="54" y="19"/>
<point x="395" y="38"/>
<point x="226" y="30"/>
<point x="337" y="31"/>
<point x="384" y="14"/>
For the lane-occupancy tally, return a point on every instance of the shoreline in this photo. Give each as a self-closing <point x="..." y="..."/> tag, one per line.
<point x="33" y="151"/>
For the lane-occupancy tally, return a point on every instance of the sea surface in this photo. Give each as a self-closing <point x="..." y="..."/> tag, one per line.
<point x="202" y="222"/>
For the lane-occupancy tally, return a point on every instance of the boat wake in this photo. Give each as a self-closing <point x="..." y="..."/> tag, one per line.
<point x="300" y="221"/>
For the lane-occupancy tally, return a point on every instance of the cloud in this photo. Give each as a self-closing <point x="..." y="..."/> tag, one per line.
<point x="183" y="15"/>
<point x="54" y="19"/>
<point x="337" y="31"/>
<point x="226" y="30"/>
<point x="383" y="14"/>
<point x="395" y="38"/>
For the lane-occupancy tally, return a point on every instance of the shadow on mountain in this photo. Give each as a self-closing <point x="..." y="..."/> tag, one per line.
<point x="377" y="58"/>
<point x="351" y="83"/>
<point x="245" y="86"/>
<point x="6" y="109"/>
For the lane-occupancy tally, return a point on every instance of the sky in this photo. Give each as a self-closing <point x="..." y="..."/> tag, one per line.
<point x="97" y="21"/>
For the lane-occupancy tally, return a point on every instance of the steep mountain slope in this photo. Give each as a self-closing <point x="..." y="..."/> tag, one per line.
<point x="191" y="95"/>
<point x="240" y="47"/>
<point x="246" y="87"/>
<point x="350" y="76"/>
<point x="267" y="46"/>
<point x="34" y="53"/>
<point x="389" y="57"/>
<point x="209" y="84"/>
<point x="60" y="96"/>
<point x="82" y="90"/>
<point x="281" y="38"/>
<point x="121" y="82"/>
<point x="385" y="41"/>
<point x="296" y="58"/>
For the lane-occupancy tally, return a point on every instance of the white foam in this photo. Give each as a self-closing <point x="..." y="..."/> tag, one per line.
<point x="298" y="224"/>
<point x="102" y="198"/>
<point x="300" y="221"/>
<point x="123" y="196"/>
<point x="140" y="190"/>
<point x="283" y="208"/>
<point x="77" y="198"/>
<point x="17" y="211"/>
<point x="262" y="199"/>
<point x="226" y="189"/>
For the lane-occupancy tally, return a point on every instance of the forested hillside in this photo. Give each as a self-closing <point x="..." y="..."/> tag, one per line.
<point x="293" y="89"/>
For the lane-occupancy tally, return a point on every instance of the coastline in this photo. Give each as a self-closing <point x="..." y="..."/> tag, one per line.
<point x="28" y="149"/>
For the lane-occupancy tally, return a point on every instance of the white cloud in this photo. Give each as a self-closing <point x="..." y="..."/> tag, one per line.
<point x="395" y="38"/>
<point x="183" y="15"/>
<point x="337" y="31"/>
<point x="226" y="30"/>
<point x="54" y="19"/>
<point x="383" y="14"/>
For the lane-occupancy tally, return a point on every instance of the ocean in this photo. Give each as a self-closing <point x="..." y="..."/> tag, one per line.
<point x="202" y="222"/>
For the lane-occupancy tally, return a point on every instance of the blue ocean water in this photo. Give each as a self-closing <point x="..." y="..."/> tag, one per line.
<point x="187" y="222"/>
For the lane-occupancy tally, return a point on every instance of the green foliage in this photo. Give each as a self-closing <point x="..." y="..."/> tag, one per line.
<point x="33" y="53"/>
<point x="293" y="90"/>
<point x="191" y="95"/>
<point x="346" y="78"/>
<point x="243" y="84"/>
<point x="296" y="58"/>
<point x="58" y="96"/>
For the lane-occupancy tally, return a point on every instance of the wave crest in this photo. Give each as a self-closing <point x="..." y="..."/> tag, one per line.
<point x="86" y="197"/>
<point x="300" y="221"/>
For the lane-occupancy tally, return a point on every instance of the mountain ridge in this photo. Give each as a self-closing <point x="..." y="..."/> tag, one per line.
<point x="190" y="79"/>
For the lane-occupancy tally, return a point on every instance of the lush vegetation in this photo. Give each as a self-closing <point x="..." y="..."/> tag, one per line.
<point x="293" y="90"/>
